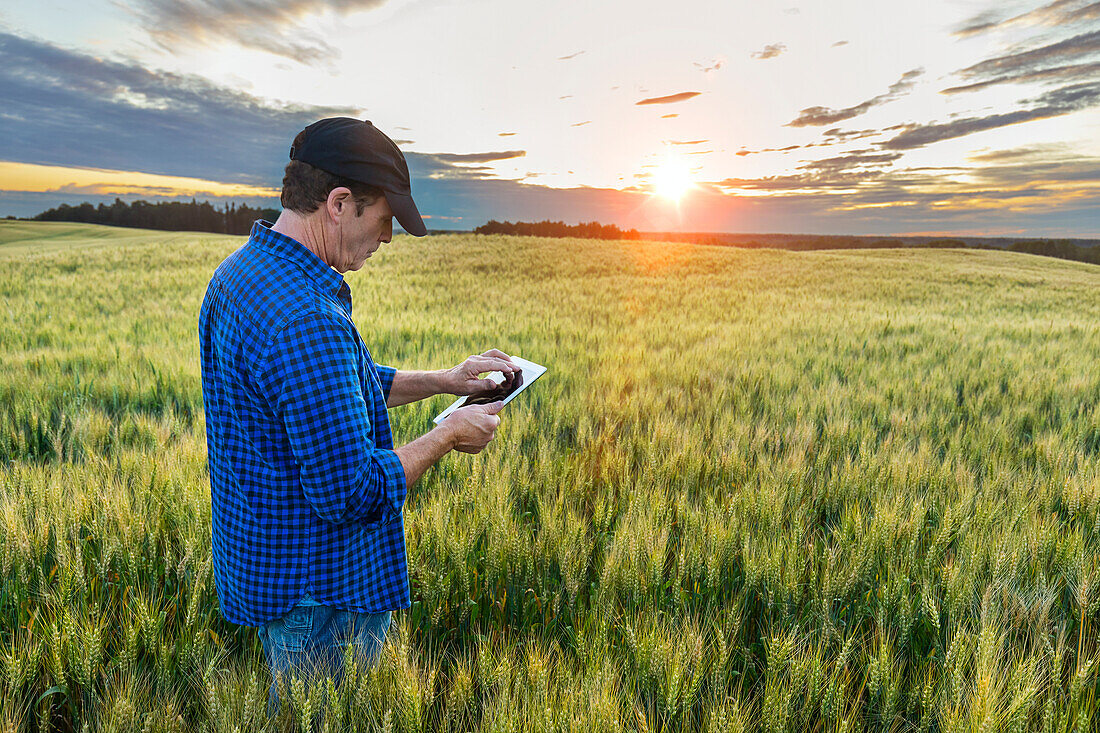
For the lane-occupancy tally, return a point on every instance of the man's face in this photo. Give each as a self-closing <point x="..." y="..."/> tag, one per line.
<point x="360" y="236"/>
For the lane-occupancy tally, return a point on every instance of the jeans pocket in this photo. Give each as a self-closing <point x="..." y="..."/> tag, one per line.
<point x="292" y="631"/>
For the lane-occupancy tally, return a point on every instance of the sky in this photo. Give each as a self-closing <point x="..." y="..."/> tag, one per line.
<point x="968" y="117"/>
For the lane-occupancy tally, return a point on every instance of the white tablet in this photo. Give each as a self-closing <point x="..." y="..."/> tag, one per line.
<point x="529" y="372"/>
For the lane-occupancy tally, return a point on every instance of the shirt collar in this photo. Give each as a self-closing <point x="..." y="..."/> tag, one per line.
<point x="291" y="249"/>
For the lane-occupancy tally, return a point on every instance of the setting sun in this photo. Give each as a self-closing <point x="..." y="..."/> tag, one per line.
<point x="672" y="179"/>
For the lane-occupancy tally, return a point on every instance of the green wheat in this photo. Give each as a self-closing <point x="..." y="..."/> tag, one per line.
<point x="756" y="491"/>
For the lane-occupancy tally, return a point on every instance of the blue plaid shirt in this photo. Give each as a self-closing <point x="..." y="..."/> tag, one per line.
<point x="306" y="491"/>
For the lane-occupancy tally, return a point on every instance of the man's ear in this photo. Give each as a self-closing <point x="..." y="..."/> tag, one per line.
<point x="338" y="198"/>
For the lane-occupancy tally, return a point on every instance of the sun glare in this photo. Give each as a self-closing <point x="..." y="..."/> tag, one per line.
<point x="672" y="179"/>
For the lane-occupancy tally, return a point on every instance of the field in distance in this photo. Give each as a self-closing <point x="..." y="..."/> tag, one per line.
<point x="757" y="490"/>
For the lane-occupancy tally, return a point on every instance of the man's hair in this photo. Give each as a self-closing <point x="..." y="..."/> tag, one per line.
<point x="306" y="187"/>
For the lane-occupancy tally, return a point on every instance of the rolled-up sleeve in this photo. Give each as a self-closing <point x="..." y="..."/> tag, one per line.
<point x="385" y="376"/>
<point x="311" y="374"/>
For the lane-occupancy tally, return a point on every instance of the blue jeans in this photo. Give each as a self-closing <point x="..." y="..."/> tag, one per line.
<point x="310" y="639"/>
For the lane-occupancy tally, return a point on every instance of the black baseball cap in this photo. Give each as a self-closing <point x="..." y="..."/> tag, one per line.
<point x="358" y="150"/>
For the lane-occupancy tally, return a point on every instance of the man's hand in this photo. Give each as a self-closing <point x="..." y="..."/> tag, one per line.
<point x="468" y="429"/>
<point x="474" y="426"/>
<point x="465" y="379"/>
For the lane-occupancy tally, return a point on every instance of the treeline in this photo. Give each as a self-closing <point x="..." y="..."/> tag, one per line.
<point x="585" y="230"/>
<point x="1058" y="248"/>
<point x="166" y="215"/>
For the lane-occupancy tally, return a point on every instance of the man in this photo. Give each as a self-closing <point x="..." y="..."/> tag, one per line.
<point x="307" y="489"/>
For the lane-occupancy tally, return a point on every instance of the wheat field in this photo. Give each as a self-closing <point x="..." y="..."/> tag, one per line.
<point x="756" y="491"/>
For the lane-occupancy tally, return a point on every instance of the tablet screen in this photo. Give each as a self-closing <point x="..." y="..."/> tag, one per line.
<point x="511" y="383"/>
<point x="506" y="390"/>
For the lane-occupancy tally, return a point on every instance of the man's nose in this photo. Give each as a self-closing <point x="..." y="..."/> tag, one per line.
<point x="387" y="232"/>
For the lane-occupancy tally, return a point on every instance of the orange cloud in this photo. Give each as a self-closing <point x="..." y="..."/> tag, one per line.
<point x="58" y="179"/>
<point x="669" y="99"/>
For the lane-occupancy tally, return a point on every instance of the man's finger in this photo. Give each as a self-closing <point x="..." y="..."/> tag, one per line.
<point x="494" y="407"/>
<point x="491" y="364"/>
<point x="486" y="385"/>
<point x="497" y="353"/>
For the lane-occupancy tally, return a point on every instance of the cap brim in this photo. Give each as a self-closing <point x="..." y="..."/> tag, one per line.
<point x="406" y="212"/>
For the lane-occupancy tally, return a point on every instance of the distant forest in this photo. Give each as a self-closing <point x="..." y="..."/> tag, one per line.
<point x="1057" y="248"/>
<point x="175" y="216"/>
<point x="586" y="230"/>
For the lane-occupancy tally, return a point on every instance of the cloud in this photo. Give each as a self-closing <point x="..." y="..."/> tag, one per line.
<point x="1031" y="152"/>
<point x="1017" y="182"/>
<point x="71" y="109"/>
<point x="271" y="25"/>
<point x="1059" y="12"/>
<point x="1084" y="44"/>
<point x="770" y="51"/>
<point x="427" y="167"/>
<point x="839" y="135"/>
<point x="980" y="23"/>
<point x="838" y="172"/>
<point x="839" y="43"/>
<point x="464" y="158"/>
<point x="68" y="108"/>
<point x="1023" y="167"/>
<point x="1034" y="194"/>
<point x="746" y="151"/>
<point x="1054" y="73"/>
<point x="671" y="98"/>
<point x="687" y="142"/>
<point x="1075" y="59"/>
<point x="581" y="124"/>
<point x="570" y="56"/>
<point x="1054" y="103"/>
<point x="794" y="182"/>
<point x="506" y="134"/>
<point x="186" y="125"/>
<point x="815" y="116"/>
<point x="1089" y="12"/>
<point x="669" y="116"/>
<point x="831" y="137"/>
<point x="109" y="189"/>
<point x="853" y="159"/>
<point x="712" y="65"/>
<point x="129" y="190"/>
